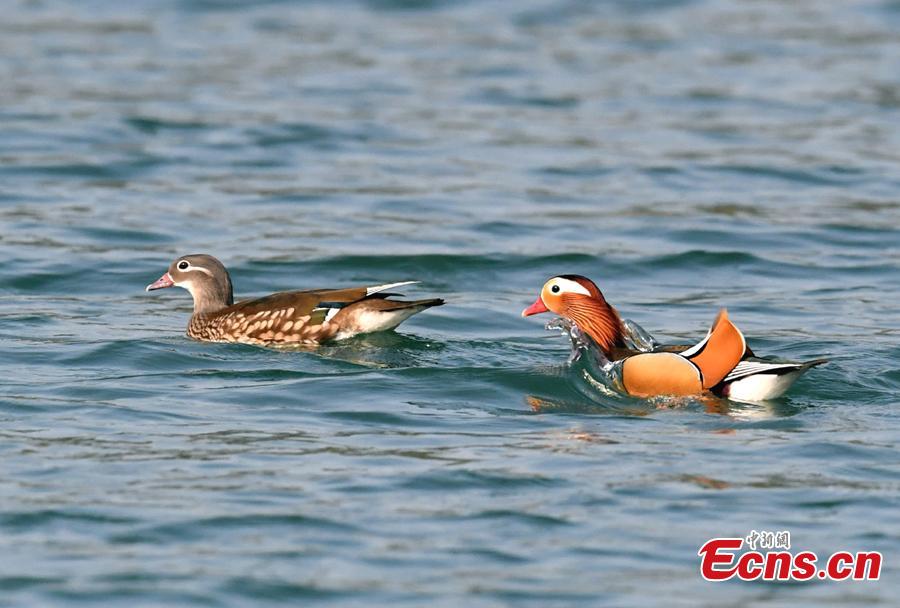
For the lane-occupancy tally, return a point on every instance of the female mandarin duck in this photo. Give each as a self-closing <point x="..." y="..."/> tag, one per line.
<point x="286" y="318"/>
<point x="721" y="363"/>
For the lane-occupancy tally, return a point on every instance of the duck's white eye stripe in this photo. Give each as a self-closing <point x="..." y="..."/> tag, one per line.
<point x="569" y="286"/>
<point x="192" y="268"/>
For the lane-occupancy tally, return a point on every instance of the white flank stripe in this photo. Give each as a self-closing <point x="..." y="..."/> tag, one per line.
<point x="330" y="314"/>
<point x="697" y="347"/>
<point x="378" y="288"/>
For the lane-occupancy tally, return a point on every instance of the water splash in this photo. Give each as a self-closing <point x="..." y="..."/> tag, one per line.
<point x="590" y="361"/>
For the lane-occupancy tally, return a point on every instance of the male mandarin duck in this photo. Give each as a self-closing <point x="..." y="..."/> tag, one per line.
<point x="721" y="363"/>
<point x="286" y="318"/>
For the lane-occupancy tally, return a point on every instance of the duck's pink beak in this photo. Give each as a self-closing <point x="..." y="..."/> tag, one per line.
<point x="535" y="308"/>
<point x="161" y="283"/>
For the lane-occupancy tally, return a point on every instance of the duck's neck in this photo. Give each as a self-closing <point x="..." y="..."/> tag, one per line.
<point x="600" y="321"/>
<point x="212" y="298"/>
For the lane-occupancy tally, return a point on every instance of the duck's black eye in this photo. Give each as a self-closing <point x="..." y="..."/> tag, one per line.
<point x="555" y="289"/>
<point x="183" y="265"/>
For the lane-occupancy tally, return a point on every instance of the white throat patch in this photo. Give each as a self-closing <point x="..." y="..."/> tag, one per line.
<point x="188" y="284"/>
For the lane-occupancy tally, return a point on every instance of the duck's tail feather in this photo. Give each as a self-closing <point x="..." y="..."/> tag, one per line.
<point x="758" y="380"/>
<point x="752" y="367"/>
<point x="378" y="314"/>
<point x="416" y="304"/>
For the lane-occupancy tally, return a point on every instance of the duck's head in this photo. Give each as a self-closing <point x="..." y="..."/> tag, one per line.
<point x="578" y="299"/>
<point x="204" y="277"/>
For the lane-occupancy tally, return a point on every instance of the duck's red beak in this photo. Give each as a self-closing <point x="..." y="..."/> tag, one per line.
<point x="535" y="308"/>
<point x="161" y="283"/>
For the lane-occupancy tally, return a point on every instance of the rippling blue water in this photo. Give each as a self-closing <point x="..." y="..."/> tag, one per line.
<point x="685" y="154"/>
